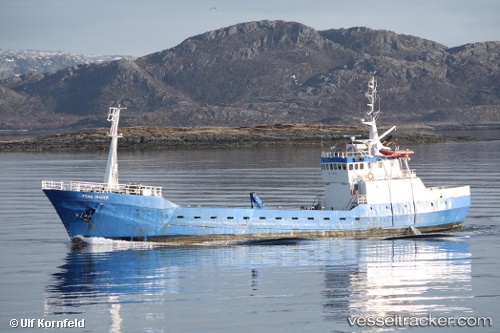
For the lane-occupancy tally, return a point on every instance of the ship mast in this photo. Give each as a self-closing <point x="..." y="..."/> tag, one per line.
<point x="371" y="118"/>
<point x="371" y="94"/>
<point x="111" y="177"/>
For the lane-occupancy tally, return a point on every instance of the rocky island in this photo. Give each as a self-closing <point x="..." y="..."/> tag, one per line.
<point x="144" y="137"/>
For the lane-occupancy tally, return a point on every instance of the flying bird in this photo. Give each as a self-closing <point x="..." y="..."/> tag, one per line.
<point x="217" y="8"/>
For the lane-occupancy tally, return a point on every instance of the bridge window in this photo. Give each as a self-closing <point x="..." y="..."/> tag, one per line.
<point x="350" y="166"/>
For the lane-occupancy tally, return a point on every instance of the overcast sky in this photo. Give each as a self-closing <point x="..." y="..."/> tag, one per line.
<point x="140" y="27"/>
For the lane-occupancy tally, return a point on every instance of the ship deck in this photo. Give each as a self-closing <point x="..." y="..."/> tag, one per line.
<point x="78" y="186"/>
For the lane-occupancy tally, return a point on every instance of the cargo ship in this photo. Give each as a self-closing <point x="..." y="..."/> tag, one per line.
<point x="369" y="191"/>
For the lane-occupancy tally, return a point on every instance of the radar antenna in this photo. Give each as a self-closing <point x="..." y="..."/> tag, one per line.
<point x="352" y="137"/>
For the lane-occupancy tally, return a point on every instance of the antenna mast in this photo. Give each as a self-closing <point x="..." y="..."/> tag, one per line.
<point x="371" y="94"/>
<point x="111" y="177"/>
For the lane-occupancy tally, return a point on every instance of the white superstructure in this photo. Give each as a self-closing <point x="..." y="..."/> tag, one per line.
<point x="368" y="172"/>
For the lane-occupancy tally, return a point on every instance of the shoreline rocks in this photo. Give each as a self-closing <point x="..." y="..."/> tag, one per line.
<point x="214" y="137"/>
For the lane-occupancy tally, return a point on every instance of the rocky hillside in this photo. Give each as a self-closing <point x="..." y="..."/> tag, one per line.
<point x="266" y="72"/>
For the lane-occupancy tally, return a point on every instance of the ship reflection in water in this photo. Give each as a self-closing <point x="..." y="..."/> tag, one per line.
<point x="320" y="281"/>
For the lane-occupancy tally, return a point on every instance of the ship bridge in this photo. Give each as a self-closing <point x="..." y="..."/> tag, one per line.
<point x="347" y="177"/>
<point x="367" y="170"/>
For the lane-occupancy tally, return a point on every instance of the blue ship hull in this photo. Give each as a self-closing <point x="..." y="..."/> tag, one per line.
<point x="150" y="218"/>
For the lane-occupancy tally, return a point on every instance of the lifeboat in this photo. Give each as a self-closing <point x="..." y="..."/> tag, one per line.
<point x="396" y="153"/>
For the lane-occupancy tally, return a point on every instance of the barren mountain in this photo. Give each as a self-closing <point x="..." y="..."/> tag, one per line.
<point x="266" y="72"/>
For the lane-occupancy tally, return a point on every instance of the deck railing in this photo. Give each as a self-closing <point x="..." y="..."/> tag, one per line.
<point x="77" y="186"/>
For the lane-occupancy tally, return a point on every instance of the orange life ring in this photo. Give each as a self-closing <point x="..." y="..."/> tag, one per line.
<point x="370" y="176"/>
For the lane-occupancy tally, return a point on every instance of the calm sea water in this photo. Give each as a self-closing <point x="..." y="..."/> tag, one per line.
<point x="302" y="286"/>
